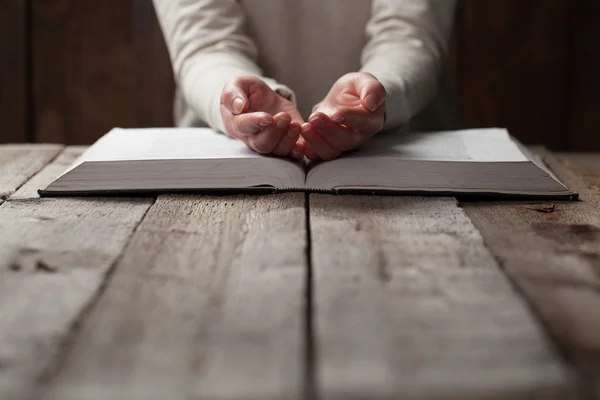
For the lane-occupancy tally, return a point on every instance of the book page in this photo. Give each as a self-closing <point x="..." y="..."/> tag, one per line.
<point x="474" y="145"/>
<point x="469" y="159"/>
<point x="199" y="144"/>
<point x="164" y="144"/>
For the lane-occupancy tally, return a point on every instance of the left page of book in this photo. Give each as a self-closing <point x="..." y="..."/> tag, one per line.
<point x="163" y="159"/>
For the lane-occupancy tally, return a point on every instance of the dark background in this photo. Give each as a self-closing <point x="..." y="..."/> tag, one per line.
<point x="72" y="69"/>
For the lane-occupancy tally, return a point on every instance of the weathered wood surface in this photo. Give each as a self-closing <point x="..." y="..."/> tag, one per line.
<point x="207" y="297"/>
<point x="551" y="251"/>
<point x="409" y="303"/>
<point x="54" y="256"/>
<point x="207" y="303"/>
<point x="50" y="172"/>
<point x="584" y="165"/>
<point x="20" y="162"/>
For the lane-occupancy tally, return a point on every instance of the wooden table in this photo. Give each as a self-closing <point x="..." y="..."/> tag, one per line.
<point x="294" y="296"/>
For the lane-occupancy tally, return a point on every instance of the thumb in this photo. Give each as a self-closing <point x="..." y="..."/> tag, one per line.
<point x="372" y="92"/>
<point x="234" y="97"/>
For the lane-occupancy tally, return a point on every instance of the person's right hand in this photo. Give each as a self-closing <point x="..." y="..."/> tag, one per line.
<point x="265" y="121"/>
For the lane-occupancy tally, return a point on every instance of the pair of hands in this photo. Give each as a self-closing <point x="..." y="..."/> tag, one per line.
<point x="352" y="113"/>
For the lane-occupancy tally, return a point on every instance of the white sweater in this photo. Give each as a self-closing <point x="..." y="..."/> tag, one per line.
<point x="301" y="47"/>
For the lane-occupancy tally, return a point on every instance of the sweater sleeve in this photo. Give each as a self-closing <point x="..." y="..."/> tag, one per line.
<point x="208" y="47"/>
<point x="406" y="45"/>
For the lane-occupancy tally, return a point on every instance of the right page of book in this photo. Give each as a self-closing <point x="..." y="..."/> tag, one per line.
<point x="474" y="161"/>
<point x="477" y="145"/>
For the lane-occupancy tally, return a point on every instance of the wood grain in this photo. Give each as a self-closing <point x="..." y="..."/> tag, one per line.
<point x="156" y="84"/>
<point x="551" y="251"/>
<point x="97" y="65"/>
<point x="586" y="165"/>
<point x="47" y="175"/>
<point x="207" y="303"/>
<point x="54" y="255"/>
<point x="18" y="163"/>
<point x="410" y="304"/>
<point x="585" y="79"/>
<point x="84" y="70"/>
<point x="514" y="65"/>
<point x="14" y="89"/>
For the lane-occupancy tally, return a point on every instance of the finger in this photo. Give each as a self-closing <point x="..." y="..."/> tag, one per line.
<point x="339" y="137"/>
<point x="288" y="140"/>
<point x="251" y="123"/>
<point x="311" y="154"/>
<point x="234" y="97"/>
<point x="318" y="144"/>
<point x="360" y="119"/>
<point x="305" y="148"/>
<point x="372" y="92"/>
<point x="265" y="141"/>
<point x="299" y="149"/>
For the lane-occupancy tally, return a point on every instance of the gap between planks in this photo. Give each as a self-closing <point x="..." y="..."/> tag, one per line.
<point x="53" y="259"/>
<point x="317" y="311"/>
<point x="18" y="163"/>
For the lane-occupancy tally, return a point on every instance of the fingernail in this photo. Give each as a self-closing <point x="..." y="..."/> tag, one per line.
<point x="372" y="102"/>
<point x="282" y="123"/>
<point x="265" y="122"/>
<point x="238" y="105"/>
<point x="296" y="152"/>
<point x="338" y="119"/>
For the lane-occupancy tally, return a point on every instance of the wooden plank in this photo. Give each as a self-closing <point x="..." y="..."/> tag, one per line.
<point x="551" y="251"/>
<point x="98" y="65"/>
<point x="410" y="304"/>
<point x="18" y="163"/>
<point x="155" y="80"/>
<point x="584" y="101"/>
<point x="13" y="71"/>
<point x="49" y="173"/>
<point x="207" y="303"/>
<point x="54" y="258"/>
<point x="508" y="52"/>
<point x="84" y="69"/>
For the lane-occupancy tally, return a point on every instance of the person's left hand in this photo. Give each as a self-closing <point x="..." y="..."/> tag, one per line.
<point x="352" y="113"/>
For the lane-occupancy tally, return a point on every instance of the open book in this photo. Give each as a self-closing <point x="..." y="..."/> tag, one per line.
<point x="478" y="161"/>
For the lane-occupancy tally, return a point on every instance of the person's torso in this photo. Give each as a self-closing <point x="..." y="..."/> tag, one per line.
<point x="308" y="44"/>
